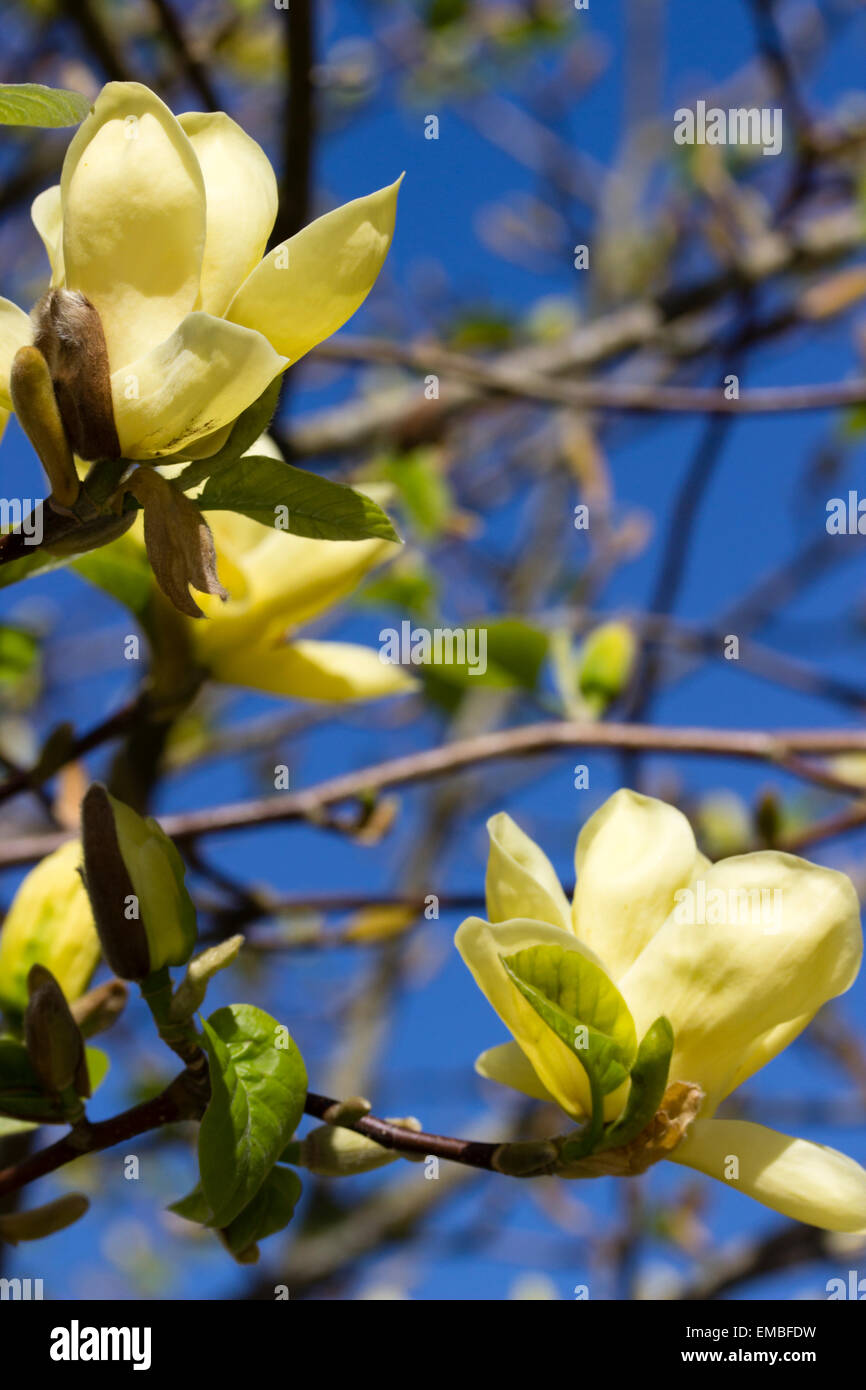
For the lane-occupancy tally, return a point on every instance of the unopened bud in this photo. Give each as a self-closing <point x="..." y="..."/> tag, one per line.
<point x="52" y="1037"/>
<point x="100" y="1008"/>
<point x="38" y="1222"/>
<point x="605" y="663"/>
<point x="68" y="332"/>
<point x="49" y="923"/>
<point x="135" y="879"/>
<point x="190" y="993"/>
<point x="334" y="1152"/>
<point x="33" y="397"/>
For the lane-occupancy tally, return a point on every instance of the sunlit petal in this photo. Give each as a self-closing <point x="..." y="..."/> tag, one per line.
<point x="133" y="219"/>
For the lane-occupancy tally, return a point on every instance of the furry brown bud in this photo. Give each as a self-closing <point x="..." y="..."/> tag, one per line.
<point x="68" y="332"/>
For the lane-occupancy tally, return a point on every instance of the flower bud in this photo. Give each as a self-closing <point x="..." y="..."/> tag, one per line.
<point x="32" y="392"/>
<point x="190" y="993"/>
<point x="49" y="923"/>
<point x="605" y="664"/>
<point x="333" y="1152"/>
<point x="135" y="879"/>
<point x="68" y="332"/>
<point x="52" y="1037"/>
<point x="37" y="1222"/>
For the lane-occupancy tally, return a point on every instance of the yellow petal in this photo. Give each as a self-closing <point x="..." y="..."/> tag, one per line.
<point x="806" y="1181"/>
<point x="5" y="417"/>
<point x="307" y="287"/>
<point x="482" y="944"/>
<point x="49" y="923"/>
<point x="632" y="855"/>
<point x="313" y="671"/>
<point x="198" y="380"/>
<point x="289" y="579"/>
<point x="46" y="213"/>
<point x="521" y="881"/>
<point x="133" y="219"/>
<point x="16" y="331"/>
<point x="508" y="1065"/>
<point x="737" y="990"/>
<point x="241" y="193"/>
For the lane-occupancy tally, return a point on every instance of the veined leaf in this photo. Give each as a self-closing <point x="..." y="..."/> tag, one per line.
<point x="270" y="491"/>
<point x="586" y="1011"/>
<point x="120" y="570"/>
<point x="270" y="1211"/>
<point x="31" y="104"/>
<point x="258" y="1088"/>
<point x="649" y="1078"/>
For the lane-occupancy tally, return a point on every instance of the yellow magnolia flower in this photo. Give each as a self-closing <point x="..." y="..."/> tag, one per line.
<point x="162" y="223"/>
<point x="49" y="923"/>
<point x="676" y="937"/>
<point x="277" y="581"/>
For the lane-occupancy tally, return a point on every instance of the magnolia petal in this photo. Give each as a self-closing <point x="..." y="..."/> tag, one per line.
<point x="313" y="671"/>
<point x="307" y="287"/>
<point x="482" y="944"/>
<point x="242" y="198"/>
<point x="16" y="331"/>
<point x="46" y="212"/>
<point x="806" y="1181"/>
<point x="133" y="219"/>
<point x="521" y="881"/>
<point x="632" y="855"/>
<point x="198" y="380"/>
<point x="508" y="1065"/>
<point x="289" y="579"/>
<point x="737" y="993"/>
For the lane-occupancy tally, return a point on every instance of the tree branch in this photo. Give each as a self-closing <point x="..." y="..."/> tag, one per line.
<point x="784" y="748"/>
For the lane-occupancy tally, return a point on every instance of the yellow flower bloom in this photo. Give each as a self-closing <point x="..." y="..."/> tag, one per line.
<point x="277" y="581"/>
<point x="162" y="223"/>
<point x="49" y="923"/>
<point x="739" y="956"/>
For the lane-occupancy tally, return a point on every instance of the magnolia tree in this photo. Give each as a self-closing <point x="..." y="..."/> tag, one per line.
<point x="693" y="945"/>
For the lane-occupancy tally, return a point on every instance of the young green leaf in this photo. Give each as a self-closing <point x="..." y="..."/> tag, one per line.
<point x="649" y="1078"/>
<point x="120" y="570"/>
<point x="270" y="1211"/>
<point x="258" y="1088"/>
<point x="580" y="991"/>
<point x="585" y="1010"/>
<point x="31" y="104"/>
<point x="273" y="492"/>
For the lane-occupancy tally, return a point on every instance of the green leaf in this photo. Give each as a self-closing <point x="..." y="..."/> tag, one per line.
<point x="31" y="104"/>
<point x="586" y="1011"/>
<point x="246" y="429"/>
<point x="423" y="488"/>
<point x="514" y="653"/>
<point x="193" y="1207"/>
<point x="580" y="989"/>
<point x="258" y="1088"/>
<point x="19" y="650"/>
<point x="38" y="562"/>
<point x="317" y="507"/>
<point x="649" y="1078"/>
<point x="270" y="1211"/>
<point x="121" y="571"/>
